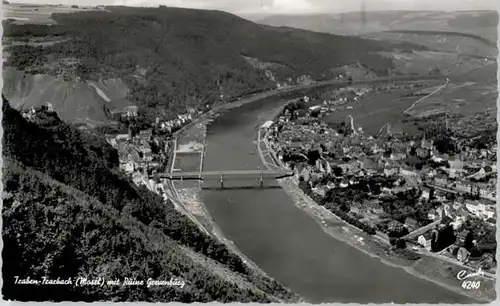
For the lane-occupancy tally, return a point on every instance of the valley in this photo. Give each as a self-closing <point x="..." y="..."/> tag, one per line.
<point x="100" y="102"/>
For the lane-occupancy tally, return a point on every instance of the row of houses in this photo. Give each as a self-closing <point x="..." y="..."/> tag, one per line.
<point x="170" y="125"/>
<point x="457" y="214"/>
<point x="480" y="209"/>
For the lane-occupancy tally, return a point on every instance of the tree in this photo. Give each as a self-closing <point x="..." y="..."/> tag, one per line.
<point x="432" y="192"/>
<point x="468" y="241"/>
<point x="445" y="145"/>
<point x="445" y="238"/>
<point x="313" y="156"/>
<point x="344" y="207"/>
<point x="400" y="243"/>
<point x="337" y="171"/>
<point x="303" y="185"/>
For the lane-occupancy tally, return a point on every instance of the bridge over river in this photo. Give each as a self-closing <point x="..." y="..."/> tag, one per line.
<point x="246" y="176"/>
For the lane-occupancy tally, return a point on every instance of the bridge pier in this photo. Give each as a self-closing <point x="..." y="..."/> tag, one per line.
<point x="221" y="181"/>
<point x="200" y="181"/>
<point x="261" y="180"/>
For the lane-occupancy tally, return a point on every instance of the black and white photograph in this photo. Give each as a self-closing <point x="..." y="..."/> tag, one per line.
<point x="249" y="151"/>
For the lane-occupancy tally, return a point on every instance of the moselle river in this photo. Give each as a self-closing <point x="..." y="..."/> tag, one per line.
<point x="286" y="243"/>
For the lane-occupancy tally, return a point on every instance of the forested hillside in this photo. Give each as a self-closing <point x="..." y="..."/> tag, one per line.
<point x="172" y="58"/>
<point x="68" y="212"/>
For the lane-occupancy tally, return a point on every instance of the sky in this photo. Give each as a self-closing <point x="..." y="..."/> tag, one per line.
<point x="292" y="6"/>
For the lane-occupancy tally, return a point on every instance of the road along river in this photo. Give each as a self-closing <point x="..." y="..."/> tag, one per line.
<point x="286" y="243"/>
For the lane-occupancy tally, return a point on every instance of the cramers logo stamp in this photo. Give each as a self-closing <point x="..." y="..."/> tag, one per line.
<point x="468" y="281"/>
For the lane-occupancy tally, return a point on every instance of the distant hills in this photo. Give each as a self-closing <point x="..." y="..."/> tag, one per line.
<point x="68" y="213"/>
<point x="456" y="42"/>
<point x="466" y="44"/>
<point x="480" y="23"/>
<point x="172" y="58"/>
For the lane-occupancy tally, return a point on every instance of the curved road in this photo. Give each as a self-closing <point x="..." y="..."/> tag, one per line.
<point x="429" y="95"/>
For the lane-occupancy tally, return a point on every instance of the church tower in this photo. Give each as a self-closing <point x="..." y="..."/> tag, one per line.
<point x="423" y="143"/>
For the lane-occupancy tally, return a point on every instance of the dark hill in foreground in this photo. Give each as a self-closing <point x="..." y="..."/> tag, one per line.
<point x="68" y="213"/>
<point x="173" y="57"/>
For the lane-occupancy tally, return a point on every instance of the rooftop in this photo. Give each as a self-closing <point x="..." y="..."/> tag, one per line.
<point x="267" y="124"/>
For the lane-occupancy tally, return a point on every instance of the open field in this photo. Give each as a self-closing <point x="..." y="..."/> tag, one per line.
<point x="466" y="95"/>
<point x="484" y="75"/>
<point x="476" y="95"/>
<point x="376" y="109"/>
<point x="448" y="42"/>
<point x="39" y="14"/>
<point x="464" y="100"/>
<point x="446" y="63"/>
<point x="190" y="138"/>
<point x="46" y="41"/>
<point x="187" y="162"/>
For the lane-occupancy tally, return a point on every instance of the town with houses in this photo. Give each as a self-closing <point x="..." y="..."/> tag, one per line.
<point x="364" y="181"/>
<point x="411" y="192"/>
<point x="414" y="192"/>
<point x="143" y="153"/>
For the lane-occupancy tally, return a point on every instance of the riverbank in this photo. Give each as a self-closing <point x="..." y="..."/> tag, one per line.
<point x="429" y="268"/>
<point x="188" y="196"/>
<point x="265" y="238"/>
<point x="298" y="90"/>
<point x="189" y="192"/>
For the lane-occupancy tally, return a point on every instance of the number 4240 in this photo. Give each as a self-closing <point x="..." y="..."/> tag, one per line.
<point x="468" y="285"/>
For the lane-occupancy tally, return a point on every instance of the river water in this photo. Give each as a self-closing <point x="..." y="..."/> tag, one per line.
<point x="286" y="243"/>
